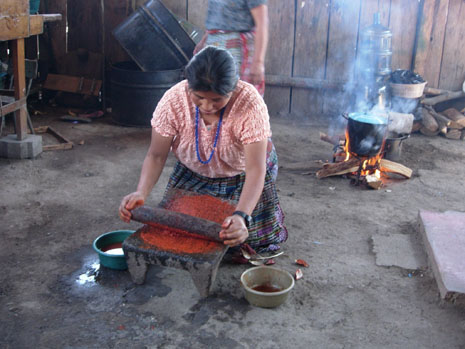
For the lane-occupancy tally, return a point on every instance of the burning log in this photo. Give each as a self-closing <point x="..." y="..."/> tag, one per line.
<point x="339" y="168"/>
<point x="373" y="182"/>
<point x="395" y="167"/>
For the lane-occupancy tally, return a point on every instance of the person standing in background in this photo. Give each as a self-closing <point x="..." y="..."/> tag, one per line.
<point x="241" y="27"/>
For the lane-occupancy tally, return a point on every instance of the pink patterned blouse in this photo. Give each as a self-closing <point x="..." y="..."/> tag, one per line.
<point x="245" y="121"/>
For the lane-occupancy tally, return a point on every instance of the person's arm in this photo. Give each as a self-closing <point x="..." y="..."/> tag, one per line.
<point x="234" y="229"/>
<point x="201" y="44"/>
<point x="151" y="169"/>
<point x="260" y="17"/>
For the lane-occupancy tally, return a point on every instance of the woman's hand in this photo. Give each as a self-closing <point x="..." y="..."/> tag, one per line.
<point x="234" y="231"/>
<point x="129" y="203"/>
<point x="257" y="73"/>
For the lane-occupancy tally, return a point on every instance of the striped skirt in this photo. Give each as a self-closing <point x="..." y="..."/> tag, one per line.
<point x="241" y="47"/>
<point x="267" y="229"/>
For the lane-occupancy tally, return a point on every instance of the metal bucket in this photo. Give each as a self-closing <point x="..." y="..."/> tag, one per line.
<point x="393" y="147"/>
<point x="135" y="94"/>
<point x="154" y="38"/>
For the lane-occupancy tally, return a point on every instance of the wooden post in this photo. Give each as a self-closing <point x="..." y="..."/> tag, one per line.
<point x="20" y="86"/>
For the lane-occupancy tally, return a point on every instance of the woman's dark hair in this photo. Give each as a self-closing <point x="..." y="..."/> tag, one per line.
<point x="212" y="69"/>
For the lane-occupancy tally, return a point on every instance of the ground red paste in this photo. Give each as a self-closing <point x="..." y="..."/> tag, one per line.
<point x="177" y="241"/>
<point x="202" y="206"/>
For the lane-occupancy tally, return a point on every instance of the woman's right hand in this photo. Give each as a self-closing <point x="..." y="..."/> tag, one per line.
<point x="129" y="203"/>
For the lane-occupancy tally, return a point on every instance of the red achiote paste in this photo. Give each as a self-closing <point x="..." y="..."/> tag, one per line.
<point x="177" y="241"/>
<point x="202" y="206"/>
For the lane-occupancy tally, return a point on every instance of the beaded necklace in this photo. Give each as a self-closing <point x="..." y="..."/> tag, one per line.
<point x="197" y="135"/>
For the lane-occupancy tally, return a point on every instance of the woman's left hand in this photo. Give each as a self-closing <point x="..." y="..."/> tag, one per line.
<point x="234" y="231"/>
<point x="257" y="73"/>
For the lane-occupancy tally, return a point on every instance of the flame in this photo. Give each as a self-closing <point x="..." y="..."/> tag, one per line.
<point x="370" y="166"/>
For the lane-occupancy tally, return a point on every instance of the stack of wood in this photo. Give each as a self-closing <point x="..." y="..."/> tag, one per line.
<point x="449" y="123"/>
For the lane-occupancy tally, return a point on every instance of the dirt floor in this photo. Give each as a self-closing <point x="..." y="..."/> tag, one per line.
<point x="53" y="295"/>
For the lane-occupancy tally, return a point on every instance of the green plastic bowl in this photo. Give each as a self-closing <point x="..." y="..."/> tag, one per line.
<point x="111" y="261"/>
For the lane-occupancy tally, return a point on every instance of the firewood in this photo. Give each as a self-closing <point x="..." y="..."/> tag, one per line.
<point x="457" y="118"/>
<point x="443" y="97"/>
<point x="439" y="118"/>
<point x="442" y="121"/>
<point x="334" y="140"/>
<point x="395" y="167"/>
<point x="373" y="182"/>
<point x="416" y="126"/>
<point x="424" y="131"/>
<point x="400" y="123"/>
<point x="339" y="168"/>
<point x="435" y="91"/>
<point x="428" y="121"/>
<point x="453" y="133"/>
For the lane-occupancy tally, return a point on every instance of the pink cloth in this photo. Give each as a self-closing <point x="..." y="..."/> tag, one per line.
<point x="245" y="121"/>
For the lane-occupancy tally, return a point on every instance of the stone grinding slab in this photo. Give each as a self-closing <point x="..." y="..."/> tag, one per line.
<point x="177" y="248"/>
<point x="444" y="239"/>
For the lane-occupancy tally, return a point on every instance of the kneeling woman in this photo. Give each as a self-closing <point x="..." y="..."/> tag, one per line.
<point x="218" y="128"/>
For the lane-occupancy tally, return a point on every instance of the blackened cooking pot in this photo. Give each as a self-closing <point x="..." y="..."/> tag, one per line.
<point x="366" y="133"/>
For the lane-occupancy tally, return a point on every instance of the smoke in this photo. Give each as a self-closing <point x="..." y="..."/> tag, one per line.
<point x="404" y="105"/>
<point x="366" y="144"/>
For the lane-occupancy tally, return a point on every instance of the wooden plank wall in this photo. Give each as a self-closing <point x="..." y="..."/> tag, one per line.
<point x="308" y="38"/>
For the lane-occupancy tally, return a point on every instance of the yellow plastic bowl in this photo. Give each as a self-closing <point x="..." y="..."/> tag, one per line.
<point x="266" y="278"/>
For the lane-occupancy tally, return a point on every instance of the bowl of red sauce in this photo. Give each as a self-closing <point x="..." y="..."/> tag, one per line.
<point x="109" y="247"/>
<point x="266" y="287"/>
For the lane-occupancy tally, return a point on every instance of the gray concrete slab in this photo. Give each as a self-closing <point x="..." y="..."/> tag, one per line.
<point x="400" y="250"/>
<point x="12" y="148"/>
<point x="444" y="239"/>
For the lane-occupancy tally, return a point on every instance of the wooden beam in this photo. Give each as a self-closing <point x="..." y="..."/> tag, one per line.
<point x="424" y="32"/>
<point x="301" y="82"/>
<point x="12" y="107"/>
<point x="20" y="86"/>
<point x="13" y="27"/>
<point x="36" y="25"/>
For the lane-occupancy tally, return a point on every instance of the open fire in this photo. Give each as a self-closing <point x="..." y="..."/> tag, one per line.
<point x="371" y="171"/>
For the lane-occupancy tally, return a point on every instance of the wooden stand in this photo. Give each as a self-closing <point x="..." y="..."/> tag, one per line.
<point x="15" y="25"/>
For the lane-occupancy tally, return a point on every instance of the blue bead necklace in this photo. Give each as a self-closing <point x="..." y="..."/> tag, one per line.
<point x="197" y="135"/>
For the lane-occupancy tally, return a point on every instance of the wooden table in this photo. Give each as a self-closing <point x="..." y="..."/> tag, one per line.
<point x="16" y="24"/>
